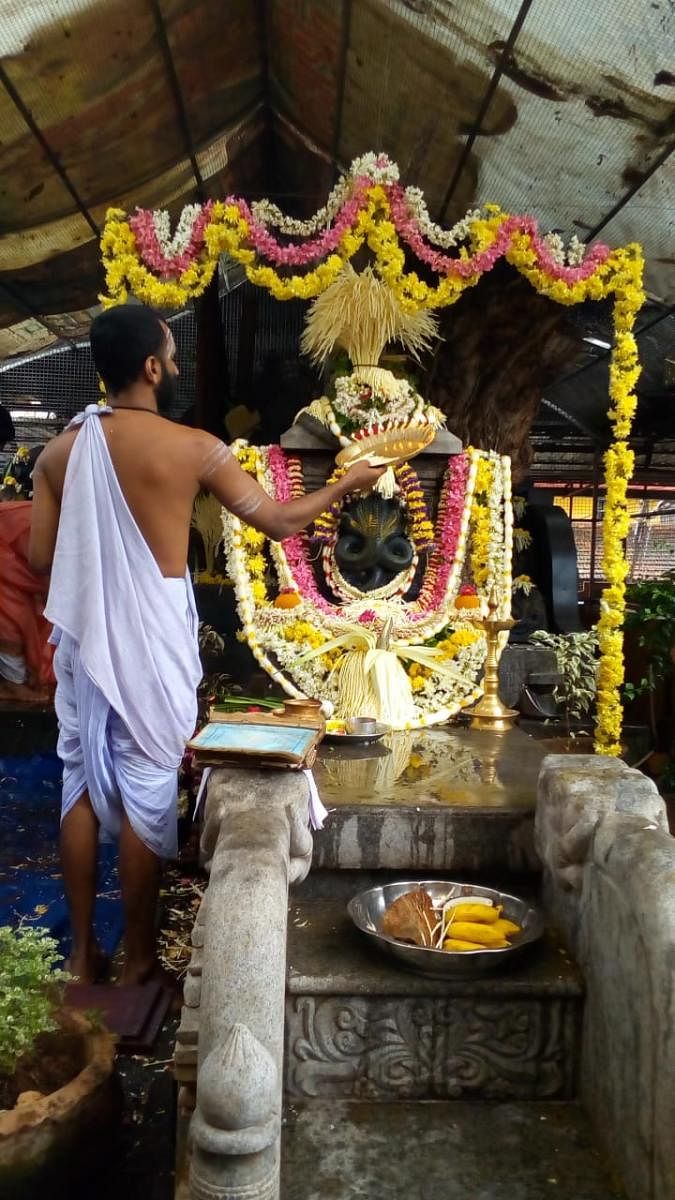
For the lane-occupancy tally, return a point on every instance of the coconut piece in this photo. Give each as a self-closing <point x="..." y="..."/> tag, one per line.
<point x="411" y="918"/>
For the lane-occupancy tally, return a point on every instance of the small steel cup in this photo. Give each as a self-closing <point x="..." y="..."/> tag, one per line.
<point x="361" y="725"/>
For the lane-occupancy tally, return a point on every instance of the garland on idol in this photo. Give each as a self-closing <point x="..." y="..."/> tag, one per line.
<point x="310" y="645"/>
<point x="369" y="206"/>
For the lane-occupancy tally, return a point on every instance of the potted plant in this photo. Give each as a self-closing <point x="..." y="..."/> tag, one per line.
<point x="576" y="654"/>
<point x="58" y="1094"/>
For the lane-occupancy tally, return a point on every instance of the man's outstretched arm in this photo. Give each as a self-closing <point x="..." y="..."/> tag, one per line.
<point x="221" y="474"/>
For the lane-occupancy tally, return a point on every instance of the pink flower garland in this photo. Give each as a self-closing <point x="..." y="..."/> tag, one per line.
<point x="269" y="248"/>
<point x="408" y="229"/>
<point x="450" y="509"/>
<point x="143" y="227"/>
<point x="300" y="256"/>
<point x="295" y="547"/>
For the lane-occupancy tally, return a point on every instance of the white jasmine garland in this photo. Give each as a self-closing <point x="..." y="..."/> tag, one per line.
<point x="269" y="215"/>
<point x="445" y="238"/>
<point x="178" y="244"/>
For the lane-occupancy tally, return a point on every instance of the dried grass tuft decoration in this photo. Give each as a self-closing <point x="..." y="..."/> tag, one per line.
<point x="207" y="520"/>
<point x="361" y="315"/>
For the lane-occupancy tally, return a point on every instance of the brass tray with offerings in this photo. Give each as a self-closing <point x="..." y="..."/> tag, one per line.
<point x="388" y="447"/>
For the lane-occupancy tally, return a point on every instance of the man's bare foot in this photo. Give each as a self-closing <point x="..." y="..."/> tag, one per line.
<point x="89" y="967"/>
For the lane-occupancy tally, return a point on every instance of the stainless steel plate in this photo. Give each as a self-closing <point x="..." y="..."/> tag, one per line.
<point x="356" y="739"/>
<point x="368" y="908"/>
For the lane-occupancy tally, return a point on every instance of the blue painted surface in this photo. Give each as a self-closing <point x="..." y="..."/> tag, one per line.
<point x="31" y="884"/>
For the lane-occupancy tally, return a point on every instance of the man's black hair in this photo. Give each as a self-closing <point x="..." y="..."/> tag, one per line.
<point x="7" y="430"/>
<point x="121" y="339"/>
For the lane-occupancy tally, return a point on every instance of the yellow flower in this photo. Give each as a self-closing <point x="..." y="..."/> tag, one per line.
<point x="251" y="538"/>
<point x="480" y="521"/>
<point x="258" y="591"/>
<point x="256" y="564"/>
<point x="456" y="641"/>
<point x="620" y="277"/>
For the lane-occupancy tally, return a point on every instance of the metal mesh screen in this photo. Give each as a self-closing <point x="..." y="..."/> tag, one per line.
<point x="650" y="547"/>
<point x="45" y="390"/>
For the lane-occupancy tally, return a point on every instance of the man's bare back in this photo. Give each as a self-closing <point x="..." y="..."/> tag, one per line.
<point x="157" y="466"/>
<point x="161" y="466"/>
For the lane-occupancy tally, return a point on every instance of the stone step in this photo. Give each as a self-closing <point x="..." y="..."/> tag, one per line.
<point x="441" y="799"/>
<point x="359" y="1028"/>
<point x="337" y="1150"/>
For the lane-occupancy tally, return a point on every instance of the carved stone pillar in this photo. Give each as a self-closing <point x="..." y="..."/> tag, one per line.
<point x="257" y="842"/>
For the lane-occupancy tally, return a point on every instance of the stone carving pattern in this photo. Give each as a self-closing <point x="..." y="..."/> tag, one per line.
<point x="409" y="1048"/>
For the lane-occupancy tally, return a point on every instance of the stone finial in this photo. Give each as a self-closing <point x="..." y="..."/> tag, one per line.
<point x="237" y="1096"/>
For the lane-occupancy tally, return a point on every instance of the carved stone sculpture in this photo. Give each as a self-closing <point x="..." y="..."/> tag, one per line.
<point x="255" y="842"/>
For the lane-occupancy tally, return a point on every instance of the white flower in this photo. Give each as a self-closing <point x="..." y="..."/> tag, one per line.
<point x="556" y="247"/>
<point x="522" y="539"/>
<point x="367" y="405"/>
<point x="576" y="251"/>
<point x="445" y="238"/>
<point x="523" y="583"/>
<point x="570" y="256"/>
<point x="180" y="241"/>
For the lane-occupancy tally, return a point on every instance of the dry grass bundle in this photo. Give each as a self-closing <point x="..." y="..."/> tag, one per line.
<point x="207" y="520"/>
<point x="360" y="314"/>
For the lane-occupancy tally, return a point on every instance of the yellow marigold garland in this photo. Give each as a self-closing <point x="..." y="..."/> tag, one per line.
<point x="480" y="522"/>
<point x="251" y="541"/>
<point x="620" y="275"/>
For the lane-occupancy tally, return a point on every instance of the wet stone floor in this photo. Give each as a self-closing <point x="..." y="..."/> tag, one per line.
<point x="452" y="767"/>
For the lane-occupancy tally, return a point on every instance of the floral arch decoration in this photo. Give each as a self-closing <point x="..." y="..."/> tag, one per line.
<point x="295" y="258"/>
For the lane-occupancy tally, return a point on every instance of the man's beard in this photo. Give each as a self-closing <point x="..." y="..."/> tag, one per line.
<point x="166" y="392"/>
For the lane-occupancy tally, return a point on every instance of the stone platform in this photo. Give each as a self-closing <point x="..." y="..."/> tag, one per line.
<point x="452" y="798"/>
<point x="360" y="1027"/>
<point x="334" y="1150"/>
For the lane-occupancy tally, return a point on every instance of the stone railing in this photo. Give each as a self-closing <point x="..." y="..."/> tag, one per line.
<point x="256" y="842"/>
<point x="609" y="884"/>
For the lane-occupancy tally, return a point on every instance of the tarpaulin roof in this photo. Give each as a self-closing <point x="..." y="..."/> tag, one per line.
<point x="565" y="111"/>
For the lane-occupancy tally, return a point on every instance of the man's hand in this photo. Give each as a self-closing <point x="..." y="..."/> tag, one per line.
<point x="362" y="477"/>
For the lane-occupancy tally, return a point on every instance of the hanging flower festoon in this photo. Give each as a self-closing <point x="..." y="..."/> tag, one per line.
<point x="297" y="258"/>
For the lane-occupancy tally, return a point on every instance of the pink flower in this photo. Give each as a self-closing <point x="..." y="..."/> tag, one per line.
<point x="444" y="264"/>
<point x="441" y="558"/>
<point x="296" y="255"/>
<point x="142" y="224"/>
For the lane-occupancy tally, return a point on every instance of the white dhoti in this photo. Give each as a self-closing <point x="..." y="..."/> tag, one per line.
<point x="127" y="662"/>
